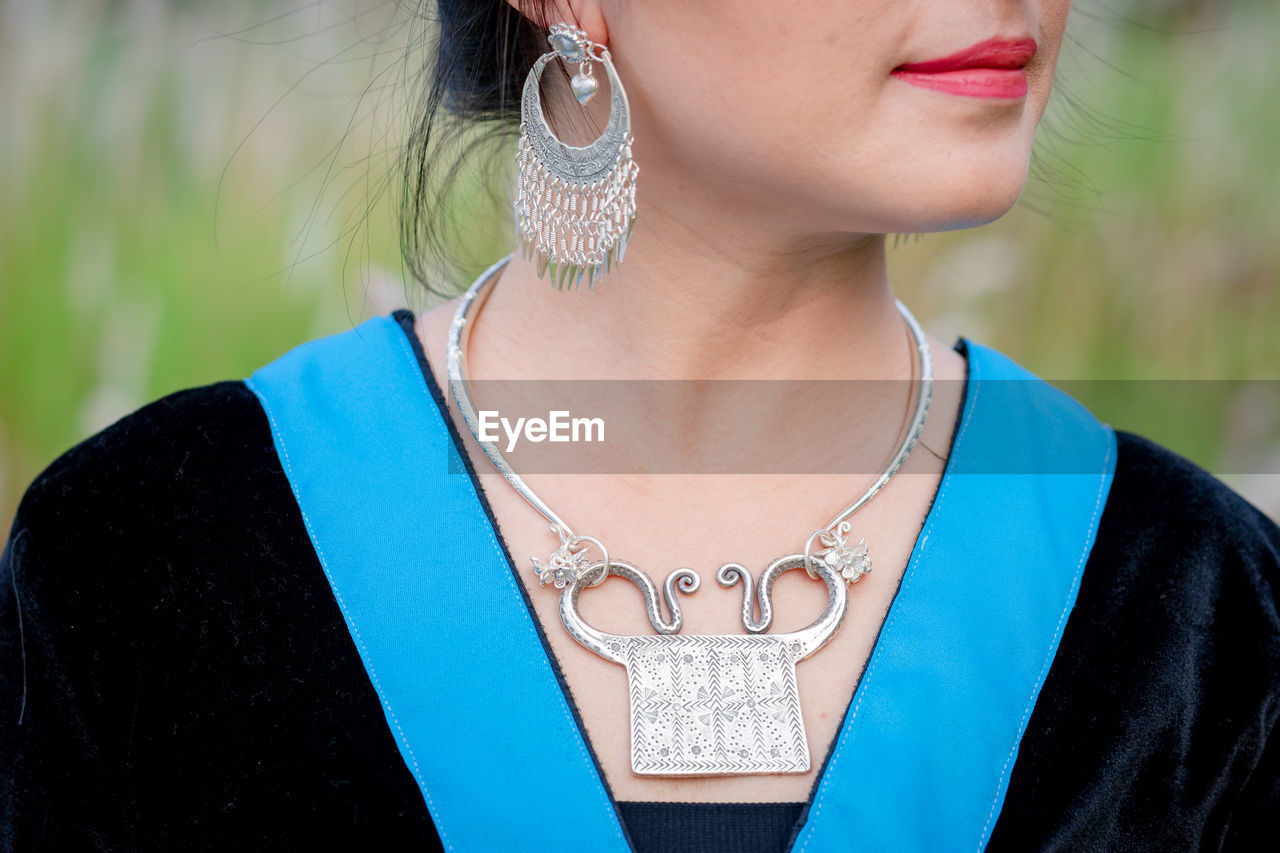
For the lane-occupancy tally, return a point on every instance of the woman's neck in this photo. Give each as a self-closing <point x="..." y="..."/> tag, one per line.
<point x="716" y="286"/>
<point x="675" y="310"/>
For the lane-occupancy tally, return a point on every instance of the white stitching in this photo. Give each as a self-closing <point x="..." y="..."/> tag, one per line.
<point x="578" y="735"/>
<point x="910" y="574"/>
<point x="417" y="771"/>
<point x="1035" y="689"/>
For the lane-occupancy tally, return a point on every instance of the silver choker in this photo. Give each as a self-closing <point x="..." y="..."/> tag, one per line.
<point x="705" y="705"/>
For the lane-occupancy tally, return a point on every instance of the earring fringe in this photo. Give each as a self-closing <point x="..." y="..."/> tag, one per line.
<point x="574" y="207"/>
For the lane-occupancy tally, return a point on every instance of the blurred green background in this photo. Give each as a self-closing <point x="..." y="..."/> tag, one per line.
<point x="191" y="189"/>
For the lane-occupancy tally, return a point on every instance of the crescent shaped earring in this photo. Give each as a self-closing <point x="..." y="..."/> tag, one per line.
<point x="574" y="206"/>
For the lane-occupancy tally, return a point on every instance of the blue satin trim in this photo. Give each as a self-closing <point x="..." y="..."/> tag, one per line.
<point x="922" y="761"/>
<point x="430" y="601"/>
<point x="923" y="757"/>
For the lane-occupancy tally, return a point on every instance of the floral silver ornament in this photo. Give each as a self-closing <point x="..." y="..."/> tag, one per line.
<point x="849" y="561"/>
<point x="569" y="562"/>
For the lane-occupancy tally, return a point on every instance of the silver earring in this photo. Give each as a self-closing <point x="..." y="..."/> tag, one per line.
<point x="574" y="206"/>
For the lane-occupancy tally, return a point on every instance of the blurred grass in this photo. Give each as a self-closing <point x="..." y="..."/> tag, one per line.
<point x="178" y="208"/>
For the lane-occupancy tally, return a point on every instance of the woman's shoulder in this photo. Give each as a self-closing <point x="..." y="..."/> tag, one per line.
<point x="171" y="529"/>
<point x="1163" y="503"/>
<point x="161" y="606"/>
<point x="182" y="452"/>
<point x="1184" y="574"/>
<point x="1179" y="544"/>
<point x="1159" y="707"/>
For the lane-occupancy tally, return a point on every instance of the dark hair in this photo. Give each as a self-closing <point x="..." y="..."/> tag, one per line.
<point x="468" y="98"/>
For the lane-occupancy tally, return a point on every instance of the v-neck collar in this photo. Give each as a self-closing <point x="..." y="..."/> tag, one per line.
<point x="476" y="701"/>
<point x="405" y="319"/>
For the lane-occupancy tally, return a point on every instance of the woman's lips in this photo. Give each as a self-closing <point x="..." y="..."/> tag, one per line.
<point x="991" y="69"/>
<point x="980" y="82"/>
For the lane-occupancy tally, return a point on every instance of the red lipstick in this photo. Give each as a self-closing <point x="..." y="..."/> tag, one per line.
<point x="989" y="69"/>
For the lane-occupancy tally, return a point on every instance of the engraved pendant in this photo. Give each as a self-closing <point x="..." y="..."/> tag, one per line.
<point x="711" y="705"/>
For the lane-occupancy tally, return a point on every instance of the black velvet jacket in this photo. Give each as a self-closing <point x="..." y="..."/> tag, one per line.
<point x="175" y="673"/>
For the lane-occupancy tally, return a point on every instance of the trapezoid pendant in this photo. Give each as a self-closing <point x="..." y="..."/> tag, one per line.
<point x="714" y="704"/>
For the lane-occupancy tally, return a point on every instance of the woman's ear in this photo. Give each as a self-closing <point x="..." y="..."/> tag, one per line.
<point x="587" y="14"/>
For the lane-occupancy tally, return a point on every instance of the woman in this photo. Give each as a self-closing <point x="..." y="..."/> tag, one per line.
<point x="264" y="612"/>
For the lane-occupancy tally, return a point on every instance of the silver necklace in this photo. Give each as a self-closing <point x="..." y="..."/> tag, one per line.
<point x="704" y="705"/>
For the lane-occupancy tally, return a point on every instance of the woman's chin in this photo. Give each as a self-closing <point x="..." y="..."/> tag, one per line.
<point x="969" y="203"/>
